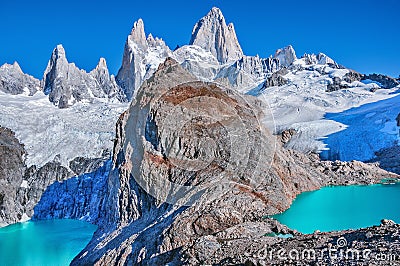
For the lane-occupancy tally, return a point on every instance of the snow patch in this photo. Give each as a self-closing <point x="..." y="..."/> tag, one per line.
<point x="24" y="218"/>
<point x="24" y="184"/>
<point x="369" y="81"/>
<point x="390" y="128"/>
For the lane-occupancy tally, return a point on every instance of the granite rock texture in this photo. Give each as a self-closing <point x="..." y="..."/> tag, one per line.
<point x="212" y="34"/>
<point x="14" y="81"/>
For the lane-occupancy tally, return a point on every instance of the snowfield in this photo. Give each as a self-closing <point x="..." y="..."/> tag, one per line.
<point x="371" y="127"/>
<point x="303" y="104"/>
<point x="48" y="132"/>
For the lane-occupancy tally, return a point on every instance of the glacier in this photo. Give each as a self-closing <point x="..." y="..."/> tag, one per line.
<point x="84" y="129"/>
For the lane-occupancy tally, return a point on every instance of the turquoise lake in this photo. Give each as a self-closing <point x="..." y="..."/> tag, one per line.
<point x="53" y="242"/>
<point x="342" y="207"/>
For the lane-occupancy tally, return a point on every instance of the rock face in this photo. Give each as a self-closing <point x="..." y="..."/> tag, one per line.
<point x="12" y="170"/>
<point x="66" y="84"/>
<point x="385" y="81"/>
<point x="191" y="162"/>
<point x="352" y="76"/>
<point x="22" y="187"/>
<point x="336" y="85"/>
<point x="212" y="34"/>
<point x="79" y="197"/>
<point x="388" y="159"/>
<point x="247" y="72"/>
<point x="243" y="74"/>
<point x="14" y="81"/>
<point x="276" y="79"/>
<point x="286" y="56"/>
<point x="82" y="165"/>
<point x="141" y="58"/>
<point x="319" y="59"/>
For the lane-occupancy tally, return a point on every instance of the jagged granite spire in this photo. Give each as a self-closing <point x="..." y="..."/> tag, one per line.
<point x="319" y="59"/>
<point x="57" y="64"/>
<point x="141" y="58"/>
<point x="14" y="81"/>
<point x="137" y="34"/>
<point x="66" y="84"/>
<point x="286" y="56"/>
<point x="212" y="34"/>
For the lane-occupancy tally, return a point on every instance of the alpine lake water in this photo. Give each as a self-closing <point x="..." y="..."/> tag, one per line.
<point x="50" y="242"/>
<point x="57" y="242"/>
<point x="343" y="207"/>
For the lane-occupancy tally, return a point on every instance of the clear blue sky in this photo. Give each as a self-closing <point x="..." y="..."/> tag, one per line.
<point x="363" y="35"/>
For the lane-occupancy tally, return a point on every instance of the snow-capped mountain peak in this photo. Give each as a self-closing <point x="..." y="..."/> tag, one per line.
<point x="59" y="51"/>
<point x="57" y="65"/>
<point x="16" y="66"/>
<point x="14" y="81"/>
<point x="286" y="56"/>
<point x="212" y="34"/>
<point x="137" y="34"/>
<point x="141" y="58"/>
<point x="101" y="69"/>
<point x="66" y="84"/>
<point x="318" y="59"/>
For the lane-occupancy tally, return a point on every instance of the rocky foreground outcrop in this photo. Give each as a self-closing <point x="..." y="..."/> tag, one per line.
<point x="377" y="245"/>
<point x="11" y="173"/>
<point x="193" y="170"/>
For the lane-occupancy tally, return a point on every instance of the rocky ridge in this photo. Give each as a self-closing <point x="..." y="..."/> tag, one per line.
<point x="377" y="245"/>
<point x="14" y="81"/>
<point x="66" y="84"/>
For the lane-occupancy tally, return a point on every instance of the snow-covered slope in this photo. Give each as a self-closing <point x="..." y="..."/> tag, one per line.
<point x="84" y="129"/>
<point x="371" y="126"/>
<point x="304" y="100"/>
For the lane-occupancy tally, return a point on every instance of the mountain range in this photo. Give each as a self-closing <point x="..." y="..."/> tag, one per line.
<point x="213" y="54"/>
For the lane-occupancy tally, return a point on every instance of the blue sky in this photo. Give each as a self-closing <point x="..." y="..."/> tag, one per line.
<point x="362" y="35"/>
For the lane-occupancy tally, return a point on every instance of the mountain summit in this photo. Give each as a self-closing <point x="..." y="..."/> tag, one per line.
<point x="141" y="58"/>
<point x="212" y="34"/>
<point x="66" y="84"/>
